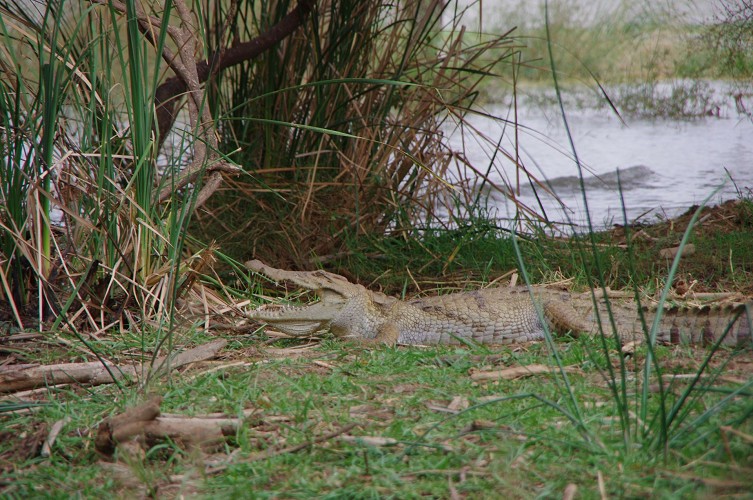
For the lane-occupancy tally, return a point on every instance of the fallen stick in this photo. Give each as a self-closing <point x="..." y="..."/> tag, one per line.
<point x="13" y="379"/>
<point x="52" y="436"/>
<point x="376" y="441"/>
<point x="144" y="426"/>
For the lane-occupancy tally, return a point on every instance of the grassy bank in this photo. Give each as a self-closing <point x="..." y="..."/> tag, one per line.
<point x="408" y="422"/>
<point x="423" y="426"/>
<point x="636" y="51"/>
<point x="481" y="250"/>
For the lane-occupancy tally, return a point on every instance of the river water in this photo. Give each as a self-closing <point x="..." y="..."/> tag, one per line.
<point x="665" y="165"/>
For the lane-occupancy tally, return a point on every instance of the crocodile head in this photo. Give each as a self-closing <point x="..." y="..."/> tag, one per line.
<point x="347" y="309"/>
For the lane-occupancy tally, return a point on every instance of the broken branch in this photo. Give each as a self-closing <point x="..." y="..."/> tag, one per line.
<point x="95" y="373"/>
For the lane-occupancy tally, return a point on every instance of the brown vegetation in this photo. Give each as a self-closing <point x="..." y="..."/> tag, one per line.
<point x="341" y="130"/>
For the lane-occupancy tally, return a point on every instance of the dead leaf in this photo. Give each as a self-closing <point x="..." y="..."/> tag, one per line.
<point x="458" y="403"/>
<point x="570" y="491"/>
<point x="629" y="348"/>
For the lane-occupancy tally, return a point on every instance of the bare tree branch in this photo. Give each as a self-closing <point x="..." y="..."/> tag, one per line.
<point x="171" y="89"/>
<point x="189" y="75"/>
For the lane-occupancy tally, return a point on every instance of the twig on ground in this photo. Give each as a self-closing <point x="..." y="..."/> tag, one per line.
<point x="518" y="372"/>
<point x="732" y="430"/>
<point x="570" y="491"/>
<point x="274" y="451"/>
<point x="52" y="436"/>
<point x="602" y="486"/>
<point x="376" y="441"/>
<point x="95" y="373"/>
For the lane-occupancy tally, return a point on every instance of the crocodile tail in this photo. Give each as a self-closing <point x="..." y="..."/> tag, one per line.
<point x="727" y="324"/>
<point x="730" y="324"/>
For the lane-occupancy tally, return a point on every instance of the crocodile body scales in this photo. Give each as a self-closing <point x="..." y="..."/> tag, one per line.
<point x="502" y="315"/>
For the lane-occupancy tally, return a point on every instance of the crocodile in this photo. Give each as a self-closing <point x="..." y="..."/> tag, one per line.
<point x="500" y="315"/>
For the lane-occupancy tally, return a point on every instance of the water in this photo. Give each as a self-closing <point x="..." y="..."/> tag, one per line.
<point x="492" y="15"/>
<point x="665" y="166"/>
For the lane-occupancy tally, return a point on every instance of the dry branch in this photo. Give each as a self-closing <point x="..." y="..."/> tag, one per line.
<point x="144" y="426"/>
<point x="188" y="78"/>
<point x="95" y="373"/>
<point x="376" y="441"/>
<point x="52" y="436"/>
<point x="168" y="93"/>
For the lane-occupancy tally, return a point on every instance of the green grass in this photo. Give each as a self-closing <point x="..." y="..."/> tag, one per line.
<point x="635" y="57"/>
<point x="480" y="250"/>
<point x="618" y="53"/>
<point x="517" y="446"/>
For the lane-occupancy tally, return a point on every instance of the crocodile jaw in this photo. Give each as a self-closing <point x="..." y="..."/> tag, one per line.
<point x="355" y="315"/>
<point x="303" y="320"/>
<point x="298" y="320"/>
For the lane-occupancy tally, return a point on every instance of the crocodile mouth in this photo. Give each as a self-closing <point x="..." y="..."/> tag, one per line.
<point x="295" y="320"/>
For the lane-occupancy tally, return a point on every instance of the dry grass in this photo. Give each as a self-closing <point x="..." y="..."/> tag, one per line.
<point x="343" y="129"/>
<point x="91" y="232"/>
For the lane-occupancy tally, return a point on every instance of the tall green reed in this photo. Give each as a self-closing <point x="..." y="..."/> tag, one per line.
<point x="340" y="129"/>
<point x="90" y="101"/>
